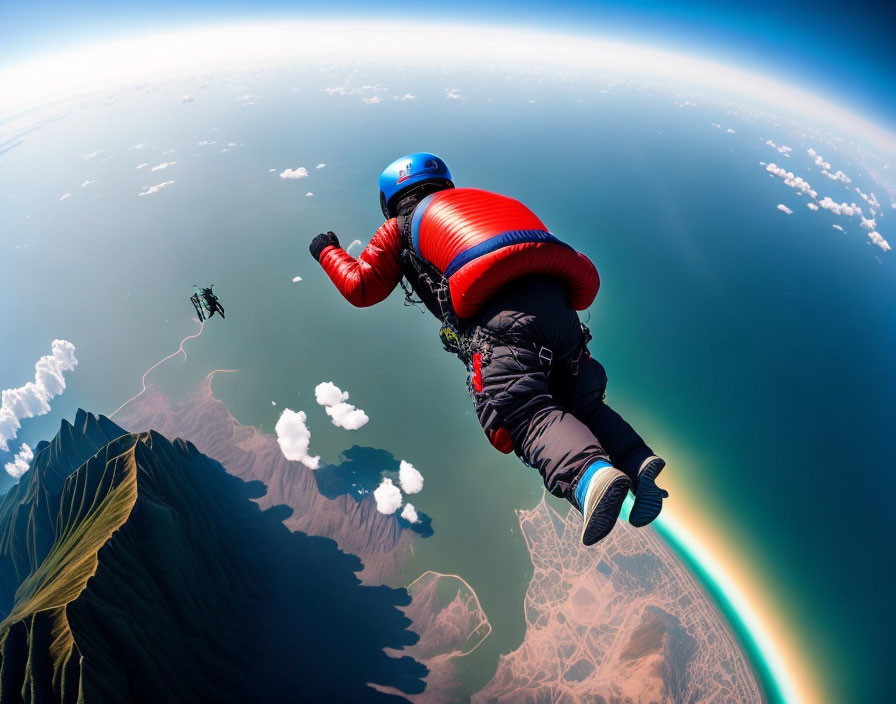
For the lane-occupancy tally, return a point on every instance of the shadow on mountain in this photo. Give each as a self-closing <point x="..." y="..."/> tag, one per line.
<point x="359" y="471"/>
<point x="137" y="569"/>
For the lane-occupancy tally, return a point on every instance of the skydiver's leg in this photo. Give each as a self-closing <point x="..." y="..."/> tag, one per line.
<point x="515" y="396"/>
<point x="583" y="394"/>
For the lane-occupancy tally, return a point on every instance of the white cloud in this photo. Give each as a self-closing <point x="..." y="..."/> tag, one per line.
<point x="22" y="461"/>
<point x="372" y="100"/>
<point x="869" y="224"/>
<point x="168" y="151"/>
<point x="295" y="438"/>
<point x="328" y="394"/>
<point x="88" y="182"/>
<point x="93" y="155"/>
<point x="206" y="143"/>
<point x="789" y="179"/>
<point x="819" y="161"/>
<point x="783" y="149"/>
<point x="409" y="513"/>
<point x="410" y="478"/>
<point x="139" y="146"/>
<point x="838" y="176"/>
<point x="729" y="131"/>
<point x="155" y="189"/>
<point x="294" y="174"/>
<point x="309" y="194"/>
<point x="343" y="415"/>
<point x="33" y="399"/>
<point x="65" y="196"/>
<point x="344" y="90"/>
<point x="870" y="199"/>
<point x="405" y="97"/>
<point x="320" y="166"/>
<point x="453" y="94"/>
<point x="879" y="241"/>
<point x="784" y="209"/>
<point x="142" y="166"/>
<point x="355" y="243"/>
<point x="812" y="206"/>
<point x="839" y="208"/>
<point x="163" y="165"/>
<point x="187" y="99"/>
<point x="839" y="227"/>
<point x="296" y="279"/>
<point x="387" y="496"/>
<point x="270" y="171"/>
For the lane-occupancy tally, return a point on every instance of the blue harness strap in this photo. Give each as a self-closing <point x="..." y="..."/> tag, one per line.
<point x="505" y="239"/>
<point x="417" y="217"/>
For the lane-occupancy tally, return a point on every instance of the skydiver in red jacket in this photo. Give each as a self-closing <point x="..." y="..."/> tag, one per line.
<point x="506" y="292"/>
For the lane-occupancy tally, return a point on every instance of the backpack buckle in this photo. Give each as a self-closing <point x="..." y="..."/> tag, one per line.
<point x="545" y="356"/>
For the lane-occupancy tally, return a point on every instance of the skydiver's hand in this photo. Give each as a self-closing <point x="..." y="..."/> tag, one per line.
<point x="321" y="242"/>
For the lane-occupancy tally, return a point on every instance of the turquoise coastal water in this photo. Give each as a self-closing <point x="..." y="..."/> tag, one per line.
<point x="754" y="344"/>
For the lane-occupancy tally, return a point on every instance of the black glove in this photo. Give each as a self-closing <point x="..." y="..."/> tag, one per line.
<point x="321" y="242"/>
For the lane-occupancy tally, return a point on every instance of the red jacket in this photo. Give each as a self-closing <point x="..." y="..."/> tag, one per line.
<point x="479" y="240"/>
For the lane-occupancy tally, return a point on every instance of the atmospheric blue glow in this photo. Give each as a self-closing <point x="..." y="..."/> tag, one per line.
<point x="844" y="51"/>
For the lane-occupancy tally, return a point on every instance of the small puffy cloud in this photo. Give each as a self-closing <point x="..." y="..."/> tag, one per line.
<point x="839" y="227"/>
<point x="139" y="146"/>
<point x="869" y="224"/>
<point x="296" y="279"/>
<point x="789" y="179"/>
<point x="168" y="151"/>
<point x="320" y="166"/>
<point x="345" y="90"/>
<point x="187" y="99"/>
<point x="839" y="208"/>
<point x="410" y="478"/>
<point x="453" y="94"/>
<point x="309" y="194"/>
<point x="88" y="182"/>
<point x="812" y="206"/>
<point x="879" y="241"/>
<point x="294" y="174"/>
<point x="729" y="131"/>
<point x="372" y="100"/>
<point x="155" y="189"/>
<point x="93" y="155"/>
<point x="355" y="243"/>
<point x="328" y="394"/>
<point x="838" y="176"/>
<point x="295" y="438"/>
<point x="405" y="97"/>
<point x="869" y="198"/>
<point x="409" y="513"/>
<point x="270" y="171"/>
<point x="33" y="399"/>
<point x="818" y="160"/>
<point x="387" y="497"/>
<point x="163" y="165"/>
<point x="206" y="143"/>
<point x="22" y="461"/>
<point x="65" y="196"/>
<point x="783" y="149"/>
<point x="784" y="209"/>
<point x="343" y="415"/>
<point x="142" y="166"/>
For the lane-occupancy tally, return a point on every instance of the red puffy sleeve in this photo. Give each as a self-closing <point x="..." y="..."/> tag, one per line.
<point x="371" y="277"/>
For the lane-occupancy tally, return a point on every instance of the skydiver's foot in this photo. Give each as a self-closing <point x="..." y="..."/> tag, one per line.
<point x="648" y="496"/>
<point x="599" y="496"/>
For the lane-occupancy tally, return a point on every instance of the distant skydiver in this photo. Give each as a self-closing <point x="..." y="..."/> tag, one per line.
<point x="206" y="303"/>
<point x="506" y="292"/>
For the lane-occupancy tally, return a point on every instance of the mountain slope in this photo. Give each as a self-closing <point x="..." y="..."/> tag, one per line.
<point x="144" y="572"/>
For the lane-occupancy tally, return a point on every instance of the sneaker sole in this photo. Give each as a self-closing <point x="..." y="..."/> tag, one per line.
<point x="603" y="503"/>
<point x="649" y="500"/>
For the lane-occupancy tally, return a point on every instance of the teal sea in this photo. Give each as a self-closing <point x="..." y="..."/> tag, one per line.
<point x="756" y="344"/>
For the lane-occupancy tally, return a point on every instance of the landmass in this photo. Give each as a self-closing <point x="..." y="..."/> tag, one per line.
<point x="624" y="621"/>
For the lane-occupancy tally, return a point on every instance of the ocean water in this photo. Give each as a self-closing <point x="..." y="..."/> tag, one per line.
<point x="753" y="349"/>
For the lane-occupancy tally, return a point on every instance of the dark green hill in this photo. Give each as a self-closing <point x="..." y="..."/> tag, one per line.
<point x="137" y="569"/>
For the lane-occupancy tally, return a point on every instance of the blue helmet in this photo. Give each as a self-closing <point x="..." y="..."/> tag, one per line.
<point x="408" y="171"/>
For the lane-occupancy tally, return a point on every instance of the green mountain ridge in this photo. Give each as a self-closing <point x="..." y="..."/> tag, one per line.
<point x="133" y="568"/>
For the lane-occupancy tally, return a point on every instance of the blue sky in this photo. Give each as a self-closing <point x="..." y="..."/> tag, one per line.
<point x="843" y="50"/>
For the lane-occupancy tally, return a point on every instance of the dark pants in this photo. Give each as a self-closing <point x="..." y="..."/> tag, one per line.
<point x="535" y="385"/>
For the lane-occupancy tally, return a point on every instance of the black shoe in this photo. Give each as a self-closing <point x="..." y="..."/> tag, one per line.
<point x="601" y="501"/>
<point x="648" y="496"/>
